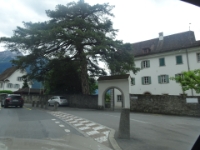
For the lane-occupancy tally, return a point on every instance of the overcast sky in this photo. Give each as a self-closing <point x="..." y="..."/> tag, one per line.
<point x="137" y="20"/>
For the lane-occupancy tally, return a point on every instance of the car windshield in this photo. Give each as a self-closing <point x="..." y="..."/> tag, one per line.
<point x="99" y="74"/>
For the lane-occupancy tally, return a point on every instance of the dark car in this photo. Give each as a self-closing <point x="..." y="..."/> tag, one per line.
<point x="12" y="100"/>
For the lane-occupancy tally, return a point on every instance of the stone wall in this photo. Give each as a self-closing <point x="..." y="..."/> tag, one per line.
<point x="171" y="105"/>
<point x="78" y="101"/>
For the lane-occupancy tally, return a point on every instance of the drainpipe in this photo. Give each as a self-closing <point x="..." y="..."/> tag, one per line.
<point x="188" y="64"/>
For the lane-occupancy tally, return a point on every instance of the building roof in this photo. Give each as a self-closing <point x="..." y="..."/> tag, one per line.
<point x="194" y="2"/>
<point x="7" y="73"/>
<point x="169" y="43"/>
<point x="115" y="77"/>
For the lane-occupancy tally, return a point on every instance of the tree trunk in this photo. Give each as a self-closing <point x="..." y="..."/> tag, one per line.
<point x="84" y="78"/>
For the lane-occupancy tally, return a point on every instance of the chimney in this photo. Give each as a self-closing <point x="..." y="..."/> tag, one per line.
<point x="161" y="37"/>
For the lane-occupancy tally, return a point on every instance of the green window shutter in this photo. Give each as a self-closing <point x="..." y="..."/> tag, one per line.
<point x="162" y="61"/>
<point x="179" y="59"/>
<point x="148" y="63"/>
<point x="132" y="81"/>
<point x="149" y="78"/>
<point x="167" y="78"/>
<point x="159" y="79"/>
<point x="142" y="80"/>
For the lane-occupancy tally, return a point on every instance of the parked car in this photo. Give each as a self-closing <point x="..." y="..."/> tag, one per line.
<point x="60" y="100"/>
<point x="11" y="100"/>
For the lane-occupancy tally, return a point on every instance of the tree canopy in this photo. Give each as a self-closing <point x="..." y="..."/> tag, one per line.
<point x="82" y="33"/>
<point x="189" y="80"/>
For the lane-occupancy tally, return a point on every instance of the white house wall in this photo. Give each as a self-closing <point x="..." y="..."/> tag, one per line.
<point x="13" y="79"/>
<point x="170" y="68"/>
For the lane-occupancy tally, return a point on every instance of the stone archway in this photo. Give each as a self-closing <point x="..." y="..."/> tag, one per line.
<point x="112" y="100"/>
<point x="122" y="83"/>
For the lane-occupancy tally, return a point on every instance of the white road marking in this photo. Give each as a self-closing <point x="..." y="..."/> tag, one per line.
<point x="69" y="119"/>
<point x="66" y="130"/>
<point x="98" y="128"/>
<point x="61" y="125"/>
<point x="84" y="128"/>
<point x="90" y="124"/>
<point x="78" y="119"/>
<point x="130" y="119"/>
<point x="73" y="121"/>
<point x="101" y="139"/>
<point x="57" y="122"/>
<point x="83" y="121"/>
<point x="78" y="124"/>
<point x="106" y="133"/>
<point x="92" y="132"/>
<point x="53" y="119"/>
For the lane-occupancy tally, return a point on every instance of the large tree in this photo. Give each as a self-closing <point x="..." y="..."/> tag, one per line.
<point x="83" y="32"/>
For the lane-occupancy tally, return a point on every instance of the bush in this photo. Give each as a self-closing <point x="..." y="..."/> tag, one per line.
<point x="6" y="91"/>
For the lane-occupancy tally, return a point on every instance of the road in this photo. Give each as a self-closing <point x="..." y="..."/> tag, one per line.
<point x="148" y="131"/>
<point x="26" y="126"/>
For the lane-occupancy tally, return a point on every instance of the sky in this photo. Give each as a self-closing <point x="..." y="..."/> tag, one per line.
<point x="136" y="20"/>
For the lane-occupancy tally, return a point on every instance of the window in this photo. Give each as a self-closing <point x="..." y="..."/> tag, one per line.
<point x="19" y="79"/>
<point x="162" y="61"/>
<point x="198" y="57"/>
<point x="146" y="80"/>
<point x="179" y="74"/>
<point x="132" y="81"/>
<point x="16" y="86"/>
<point x="163" y="79"/>
<point x="145" y="64"/>
<point x="179" y="59"/>
<point x="9" y="85"/>
<point x="119" y="98"/>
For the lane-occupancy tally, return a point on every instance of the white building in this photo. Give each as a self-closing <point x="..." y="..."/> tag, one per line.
<point x="11" y="79"/>
<point x="160" y="59"/>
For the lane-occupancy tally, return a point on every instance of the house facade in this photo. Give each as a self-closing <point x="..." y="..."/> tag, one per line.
<point x="160" y="59"/>
<point x="11" y="79"/>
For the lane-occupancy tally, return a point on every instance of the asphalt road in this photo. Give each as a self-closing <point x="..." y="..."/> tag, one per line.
<point x="34" y="129"/>
<point x="148" y="131"/>
<point x="32" y="124"/>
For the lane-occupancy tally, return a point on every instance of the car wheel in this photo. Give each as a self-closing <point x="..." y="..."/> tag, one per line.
<point x="49" y="104"/>
<point x="21" y="106"/>
<point x="1" y="105"/>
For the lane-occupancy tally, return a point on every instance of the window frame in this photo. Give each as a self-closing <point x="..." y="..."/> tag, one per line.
<point x="148" y="79"/>
<point x="163" y="77"/>
<point x="18" y="86"/>
<point x="145" y="65"/>
<point x="19" y="79"/>
<point x="177" y="60"/>
<point x="119" y="98"/>
<point x="10" y="87"/>
<point x="164" y="62"/>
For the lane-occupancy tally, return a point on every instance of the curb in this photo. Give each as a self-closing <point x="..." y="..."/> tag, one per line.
<point x="112" y="140"/>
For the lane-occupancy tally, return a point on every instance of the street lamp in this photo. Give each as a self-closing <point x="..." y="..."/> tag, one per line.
<point x="4" y="81"/>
